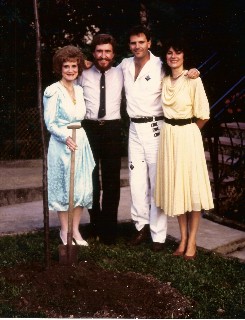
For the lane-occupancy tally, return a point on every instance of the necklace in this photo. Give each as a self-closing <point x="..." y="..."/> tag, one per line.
<point x="71" y="92"/>
<point x="175" y="78"/>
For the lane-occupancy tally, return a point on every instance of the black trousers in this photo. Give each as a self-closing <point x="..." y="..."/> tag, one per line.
<point x="105" y="141"/>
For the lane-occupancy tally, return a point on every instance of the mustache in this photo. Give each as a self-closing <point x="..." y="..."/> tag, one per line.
<point x="105" y="59"/>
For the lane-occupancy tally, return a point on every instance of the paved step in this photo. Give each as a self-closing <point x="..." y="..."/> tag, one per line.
<point x="230" y="143"/>
<point x="21" y="181"/>
<point x="227" y="180"/>
<point x="38" y="163"/>
<point x="234" y="125"/>
<point x="227" y="160"/>
<point x="234" y="129"/>
<point x="28" y="217"/>
<point x="226" y="141"/>
<point x="226" y="144"/>
<point x="239" y="254"/>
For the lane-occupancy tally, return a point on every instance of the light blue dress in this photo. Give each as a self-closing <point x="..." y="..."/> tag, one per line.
<point x="59" y="112"/>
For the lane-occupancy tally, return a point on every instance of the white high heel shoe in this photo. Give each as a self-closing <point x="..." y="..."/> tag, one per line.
<point x="65" y="243"/>
<point x="81" y="242"/>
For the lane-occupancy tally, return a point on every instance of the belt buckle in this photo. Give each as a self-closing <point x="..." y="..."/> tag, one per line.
<point x="101" y="122"/>
<point x="153" y="119"/>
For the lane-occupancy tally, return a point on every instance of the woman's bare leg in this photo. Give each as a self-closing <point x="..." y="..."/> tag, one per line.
<point x="183" y="225"/>
<point x="63" y="218"/>
<point x="77" y="214"/>
<point x="194" y="221"/>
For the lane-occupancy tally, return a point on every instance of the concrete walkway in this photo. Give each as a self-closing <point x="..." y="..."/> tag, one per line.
<point x="20" y="213"/>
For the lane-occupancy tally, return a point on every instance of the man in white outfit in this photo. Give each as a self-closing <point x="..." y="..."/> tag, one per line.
<point x="142" y="81"/>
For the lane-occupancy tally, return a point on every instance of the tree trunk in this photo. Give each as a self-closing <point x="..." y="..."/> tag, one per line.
<point x="39" y="97"/>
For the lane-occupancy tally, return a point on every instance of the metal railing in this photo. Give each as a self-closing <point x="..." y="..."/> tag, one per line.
<point x="209" y="64"/>
<point x="227" y="166"/>
<point x="20" y="134"/>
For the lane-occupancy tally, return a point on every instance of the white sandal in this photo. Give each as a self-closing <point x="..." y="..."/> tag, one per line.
<point x="65" y="243"/>
<point x="81" y="242"/>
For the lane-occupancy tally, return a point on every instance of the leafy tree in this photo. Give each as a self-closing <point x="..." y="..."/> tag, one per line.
<point x="208" y="26"/>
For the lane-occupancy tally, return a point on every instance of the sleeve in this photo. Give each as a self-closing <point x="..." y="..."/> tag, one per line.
<point x="51" y="101"/>
<point x="200" y="101"/>
<point x="81" y="111"/>
<point x="119" y="66"/>
<point x="78" y="81"/>
<point x="122" y="64"/>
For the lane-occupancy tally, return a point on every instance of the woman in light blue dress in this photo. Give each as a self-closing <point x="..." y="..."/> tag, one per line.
<point x="64" y="105"/>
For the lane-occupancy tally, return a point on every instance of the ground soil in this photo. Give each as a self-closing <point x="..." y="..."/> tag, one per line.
<point x="88" y="291"/>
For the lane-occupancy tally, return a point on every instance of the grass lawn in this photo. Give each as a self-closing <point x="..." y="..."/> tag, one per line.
<point x="216" y="284"/>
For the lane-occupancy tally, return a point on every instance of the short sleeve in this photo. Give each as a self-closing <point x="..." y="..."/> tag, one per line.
<point x="199" y="99"/>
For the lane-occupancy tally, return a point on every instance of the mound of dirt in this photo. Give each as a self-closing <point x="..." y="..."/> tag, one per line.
<point x="88" y="291"/>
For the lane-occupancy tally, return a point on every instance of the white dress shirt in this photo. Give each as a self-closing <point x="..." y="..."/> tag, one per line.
<point x="90" y="81"/>
<point x="143" y="94"/>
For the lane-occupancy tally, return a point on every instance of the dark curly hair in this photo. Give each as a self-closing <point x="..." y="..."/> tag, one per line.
<point x="178" y="44"/>
<point x="68" y="53"/>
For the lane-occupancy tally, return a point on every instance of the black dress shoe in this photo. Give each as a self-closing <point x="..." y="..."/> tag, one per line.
<point x="108" y="237"/>
<point x="108" y="241"/>
<point x="157" y="246"/>
<point x="91" y="232"/>
<point x="141" y="236"/>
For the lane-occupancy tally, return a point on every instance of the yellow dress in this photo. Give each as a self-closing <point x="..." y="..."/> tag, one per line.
<point x="182" y="181"/>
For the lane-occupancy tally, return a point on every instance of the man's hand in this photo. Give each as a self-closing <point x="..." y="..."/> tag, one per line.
<point x="192" y="73"/>
<point x="88" y="64"/>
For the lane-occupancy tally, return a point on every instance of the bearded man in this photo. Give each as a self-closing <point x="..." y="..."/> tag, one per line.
<point x="102" y="85"/>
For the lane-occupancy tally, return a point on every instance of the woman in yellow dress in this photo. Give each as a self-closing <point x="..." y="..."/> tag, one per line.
<point x="182" y="183"/>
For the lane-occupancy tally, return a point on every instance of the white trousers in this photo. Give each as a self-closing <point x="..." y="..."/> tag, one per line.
<point x="142" y="155"/>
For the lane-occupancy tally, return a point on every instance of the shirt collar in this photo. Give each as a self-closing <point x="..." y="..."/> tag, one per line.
<point x="97" y="70"/>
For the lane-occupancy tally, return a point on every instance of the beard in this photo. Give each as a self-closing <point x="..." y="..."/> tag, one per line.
<point x="102" y="68"/>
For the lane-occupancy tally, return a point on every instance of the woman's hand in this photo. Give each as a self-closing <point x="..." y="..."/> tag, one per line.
<point x="71" y="144"/>
<point x="200" y="123"/>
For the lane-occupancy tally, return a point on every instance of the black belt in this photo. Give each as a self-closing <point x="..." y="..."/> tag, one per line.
<point x="99" y="122"/>
<point x="146" y="119"/>
<point x="180" y="122"/>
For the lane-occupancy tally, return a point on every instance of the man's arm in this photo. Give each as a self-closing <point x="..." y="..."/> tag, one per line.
<point x="192" y="73"/>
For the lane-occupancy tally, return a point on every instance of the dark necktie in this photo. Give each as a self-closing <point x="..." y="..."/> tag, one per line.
<point x="101" y="113"/>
